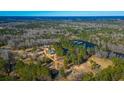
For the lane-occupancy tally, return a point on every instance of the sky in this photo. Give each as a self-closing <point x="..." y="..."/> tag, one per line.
<point x="61" y="13"/>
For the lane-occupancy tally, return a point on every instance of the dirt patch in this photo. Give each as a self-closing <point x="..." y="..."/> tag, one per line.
<point x="104" y="63"/>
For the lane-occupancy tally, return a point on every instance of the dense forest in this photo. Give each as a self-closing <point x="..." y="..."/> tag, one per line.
<point x="77" y="49"/>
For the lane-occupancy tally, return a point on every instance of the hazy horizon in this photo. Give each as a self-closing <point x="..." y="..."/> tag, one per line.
<point x="62" y="13"/>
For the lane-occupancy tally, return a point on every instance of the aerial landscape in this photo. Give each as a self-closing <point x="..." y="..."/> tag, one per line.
<point x="62" y="48"/>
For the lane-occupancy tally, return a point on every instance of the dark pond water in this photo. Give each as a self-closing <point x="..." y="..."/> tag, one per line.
<point x="115" y="54"/>
<point x="86" y="44"/>
<point x="80" y="43"/>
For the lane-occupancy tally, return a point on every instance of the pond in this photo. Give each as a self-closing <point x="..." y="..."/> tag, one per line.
<point x="86" y="44"/>
<point x="115" y="54"/>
